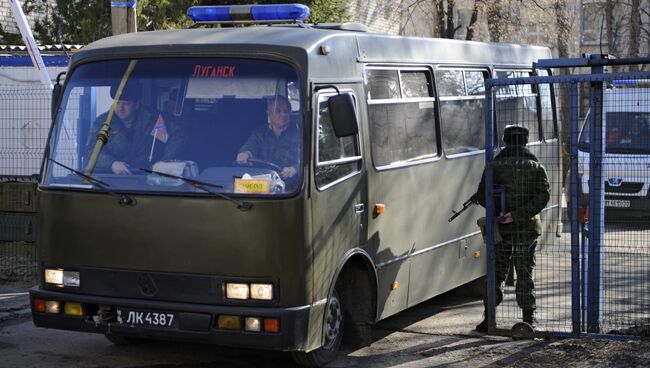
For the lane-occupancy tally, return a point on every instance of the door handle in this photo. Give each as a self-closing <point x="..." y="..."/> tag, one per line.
<point x="359" y="208"/>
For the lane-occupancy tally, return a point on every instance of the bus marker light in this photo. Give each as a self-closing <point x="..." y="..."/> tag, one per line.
<point x="253" y="324"/>
<point x="39" y="305"/>
<point x="379" y="209"/>
<point x="228" y="322"/>
<point x="477" y="254"/>
<point x="53" y="307"/>
<point x="394" y="285"/>
<point x="271" y="325"/>
<point x="72" y="309"/>
<point x="237" y="291"/>
<point x="262" y="291"/>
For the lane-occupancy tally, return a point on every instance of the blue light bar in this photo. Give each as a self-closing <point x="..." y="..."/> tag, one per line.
<point x="624" y="82"/>
<point x="249" y="13"/>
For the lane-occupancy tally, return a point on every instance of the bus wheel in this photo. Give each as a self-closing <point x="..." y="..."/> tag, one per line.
<point x="118" y="339"/>
<point x="333" y="334"/>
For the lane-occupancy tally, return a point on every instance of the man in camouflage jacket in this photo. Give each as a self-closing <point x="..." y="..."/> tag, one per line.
<point x="278" y="143"/>
<point x="524" y="180"/>
<point x="138" y="136"/>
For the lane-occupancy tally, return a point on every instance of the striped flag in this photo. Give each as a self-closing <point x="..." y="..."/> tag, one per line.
<point x="160" y="130"/>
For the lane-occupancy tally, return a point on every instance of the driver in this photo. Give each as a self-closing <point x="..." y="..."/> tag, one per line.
<point x="278" y="143"/>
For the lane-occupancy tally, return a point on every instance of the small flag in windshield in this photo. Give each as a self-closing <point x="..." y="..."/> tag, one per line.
<point x="160" y="130"/>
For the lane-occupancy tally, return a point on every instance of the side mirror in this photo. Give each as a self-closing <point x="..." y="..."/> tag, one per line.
<point x="344" y="116"/>
<point x="56" y="94"/>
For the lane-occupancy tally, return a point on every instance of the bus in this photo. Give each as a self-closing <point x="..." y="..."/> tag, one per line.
<point x="190" y="245"/>
<point x="626" y="135"/>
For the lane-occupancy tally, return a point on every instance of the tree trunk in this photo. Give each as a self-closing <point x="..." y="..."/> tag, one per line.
<point x="450" y="19"/>
<point x="495" y="21"/>
<point x="635" y="31"/>
<point x="563" y="34"/>
<point x="609" y="20"/>
<point x="472" y="22"/>
<point x="439" y="9"/>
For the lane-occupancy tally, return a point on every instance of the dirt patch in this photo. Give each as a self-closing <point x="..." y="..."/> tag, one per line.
<point x="589" y="352"/>
<point x="18" y="263"/>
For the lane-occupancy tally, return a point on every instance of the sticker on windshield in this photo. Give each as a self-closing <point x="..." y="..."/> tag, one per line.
<point x="252" y="186"/>
<point x="213" y="71"/>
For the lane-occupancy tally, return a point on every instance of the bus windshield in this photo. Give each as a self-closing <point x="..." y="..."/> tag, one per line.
<point x="627" y="132"/>
<point x="234" y="124"/>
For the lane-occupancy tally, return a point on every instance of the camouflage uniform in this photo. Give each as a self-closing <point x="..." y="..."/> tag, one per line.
<point x="133" y="145"/>
<point x="526" y="186"/>
<point x="283" y="151"/>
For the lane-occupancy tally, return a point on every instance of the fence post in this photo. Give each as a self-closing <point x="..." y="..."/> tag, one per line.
<point x="489" y="210"/>
<point x="595" y="201"/>
<point x="573" y="192"/>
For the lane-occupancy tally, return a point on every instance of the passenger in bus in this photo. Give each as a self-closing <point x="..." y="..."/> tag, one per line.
<point x="526" y="186"/>
<point x="277" y="143"/>
<point x="138" y="135"/>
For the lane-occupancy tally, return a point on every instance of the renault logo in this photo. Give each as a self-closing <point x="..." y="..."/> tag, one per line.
<point x="147" y="285"/>
<point x="615" y="182"/>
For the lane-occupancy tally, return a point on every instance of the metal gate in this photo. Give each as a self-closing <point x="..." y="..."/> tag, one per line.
<point x="591" y="265"/>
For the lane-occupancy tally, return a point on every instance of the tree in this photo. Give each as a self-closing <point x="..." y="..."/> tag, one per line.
<point x="446" y="22"/>
<point x="8" y="38"/>
<point x="81" y="22"/>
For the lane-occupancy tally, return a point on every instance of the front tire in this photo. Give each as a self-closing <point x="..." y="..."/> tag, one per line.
<point x="333" y="328"/>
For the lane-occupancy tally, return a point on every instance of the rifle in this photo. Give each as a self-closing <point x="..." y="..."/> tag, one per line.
<point x="468" y="203"/>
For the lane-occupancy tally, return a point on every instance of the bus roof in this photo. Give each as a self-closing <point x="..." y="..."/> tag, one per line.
<point x="294" y="40"/>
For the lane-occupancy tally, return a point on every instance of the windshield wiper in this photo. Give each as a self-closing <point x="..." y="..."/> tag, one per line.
<point x="242" y="205"/>
<point x="122" y="199"/>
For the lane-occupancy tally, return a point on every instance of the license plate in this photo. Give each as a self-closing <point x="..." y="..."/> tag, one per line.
<point x="619" y="203"/>
<point x="146" y="318"/>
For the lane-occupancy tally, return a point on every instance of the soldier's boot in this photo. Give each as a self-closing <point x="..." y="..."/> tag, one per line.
<point x="529" y="317"/>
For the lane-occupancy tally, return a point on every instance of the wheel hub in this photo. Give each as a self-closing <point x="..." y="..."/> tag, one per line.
<point x="333" y="320"/>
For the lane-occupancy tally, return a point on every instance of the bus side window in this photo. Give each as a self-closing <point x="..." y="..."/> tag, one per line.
<point x="336" y="158"/>
<point x="547" y="105"/>
<point x="462" y="106"/>
<point x="402" y="123"/>
<point x="516" y="104"/>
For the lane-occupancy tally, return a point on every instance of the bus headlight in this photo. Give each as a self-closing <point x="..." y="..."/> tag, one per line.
<point x="262" y="291"/>
<point x="237" y="291"/>
<point x="60" y="277"/>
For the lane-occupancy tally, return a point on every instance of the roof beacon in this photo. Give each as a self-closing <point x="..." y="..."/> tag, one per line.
<point x="276" y="13"/>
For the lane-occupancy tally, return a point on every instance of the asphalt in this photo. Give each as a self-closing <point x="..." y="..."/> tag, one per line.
<point x="14" y="303"/>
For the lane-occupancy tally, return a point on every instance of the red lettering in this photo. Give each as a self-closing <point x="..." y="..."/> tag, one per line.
<point x="197" y="70"/>
<point x="212" y="71"/>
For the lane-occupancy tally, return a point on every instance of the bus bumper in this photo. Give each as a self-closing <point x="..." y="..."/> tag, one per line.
<point x="194" y="322"/>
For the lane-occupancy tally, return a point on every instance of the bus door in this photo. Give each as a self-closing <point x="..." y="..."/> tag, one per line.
<point x="339" y="204"/>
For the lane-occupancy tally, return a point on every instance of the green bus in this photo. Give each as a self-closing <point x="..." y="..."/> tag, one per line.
<point x="181" y="241"/>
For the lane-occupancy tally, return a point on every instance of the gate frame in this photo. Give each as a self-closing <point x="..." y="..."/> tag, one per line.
<point x="596" y="78"/>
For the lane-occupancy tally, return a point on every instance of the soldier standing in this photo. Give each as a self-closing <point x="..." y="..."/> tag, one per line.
<point x="526" y="186"/>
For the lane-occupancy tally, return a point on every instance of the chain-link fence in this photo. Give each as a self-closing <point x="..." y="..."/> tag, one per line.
<point x="591" y="278"/>
<point x="24" y="126"/>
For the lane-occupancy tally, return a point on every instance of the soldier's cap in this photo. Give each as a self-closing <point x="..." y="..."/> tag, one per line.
<point x="515" y="134"/>
<point x="131" y="92"/>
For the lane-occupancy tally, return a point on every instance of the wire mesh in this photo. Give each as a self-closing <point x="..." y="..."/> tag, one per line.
<point x="24" y="126"/>
<point x="609" y="274"/>
<point x="623" y="284"/>
<point x="533" y="260"/>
